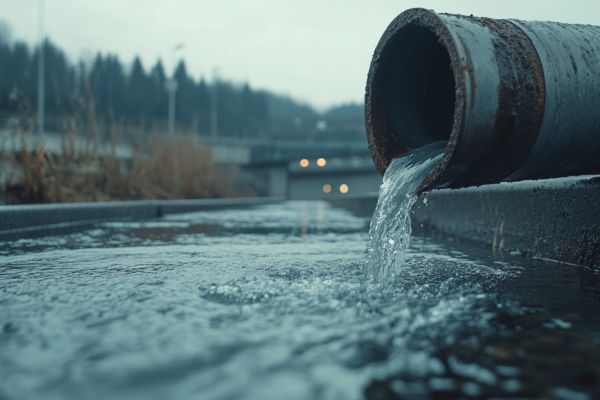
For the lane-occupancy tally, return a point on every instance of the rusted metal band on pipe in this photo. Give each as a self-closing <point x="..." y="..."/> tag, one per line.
<point x="482" y="85"/>
<point x="569" y="138"/>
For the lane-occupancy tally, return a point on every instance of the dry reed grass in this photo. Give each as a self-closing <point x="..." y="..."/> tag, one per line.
<point x="167" y="167"/>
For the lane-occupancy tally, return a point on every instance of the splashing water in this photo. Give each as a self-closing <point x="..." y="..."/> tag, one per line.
<point x="390" y="230"/>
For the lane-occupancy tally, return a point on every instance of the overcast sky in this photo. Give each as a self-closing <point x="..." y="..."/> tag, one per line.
<point x="314" y="50"/>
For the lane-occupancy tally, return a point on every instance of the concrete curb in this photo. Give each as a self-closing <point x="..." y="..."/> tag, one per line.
<point x="558" y="219"/>
<point x="20" y="218"/>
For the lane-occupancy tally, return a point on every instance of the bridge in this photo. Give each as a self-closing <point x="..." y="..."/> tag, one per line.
<point x="316" y="178"/>
<point x="291" y="169"/>
<point x="300" y="169"/>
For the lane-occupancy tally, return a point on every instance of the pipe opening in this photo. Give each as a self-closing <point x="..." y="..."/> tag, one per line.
<point x="421" y="88"/>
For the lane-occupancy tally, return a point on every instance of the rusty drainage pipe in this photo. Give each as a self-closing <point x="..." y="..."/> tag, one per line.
<point x="513" y="99"/>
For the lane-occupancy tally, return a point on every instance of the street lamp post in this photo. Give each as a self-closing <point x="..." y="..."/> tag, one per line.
<point x="171" y="87"/>
<point x="214" y="110"/>
<point x="41" y="67"/>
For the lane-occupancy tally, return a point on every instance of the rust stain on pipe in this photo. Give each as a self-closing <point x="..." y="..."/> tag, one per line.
<point x="483" y="86"/>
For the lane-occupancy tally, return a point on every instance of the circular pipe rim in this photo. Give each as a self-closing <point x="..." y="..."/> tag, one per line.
<point x="379" y="134"/>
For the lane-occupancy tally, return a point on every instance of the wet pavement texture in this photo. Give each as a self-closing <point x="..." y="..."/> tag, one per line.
<point x="276" y="302"/>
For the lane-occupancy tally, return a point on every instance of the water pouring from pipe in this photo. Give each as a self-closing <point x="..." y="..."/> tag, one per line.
<point x="389" y="234"/>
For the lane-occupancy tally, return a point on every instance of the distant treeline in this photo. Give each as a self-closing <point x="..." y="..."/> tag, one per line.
<point x="133" y="98"/>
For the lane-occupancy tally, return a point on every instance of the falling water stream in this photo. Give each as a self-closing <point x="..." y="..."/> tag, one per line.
<point x="389" y="234"/>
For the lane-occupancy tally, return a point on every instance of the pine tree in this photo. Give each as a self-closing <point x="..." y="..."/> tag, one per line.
<point x="138" y="103"/>
<point x="105" y="92"/>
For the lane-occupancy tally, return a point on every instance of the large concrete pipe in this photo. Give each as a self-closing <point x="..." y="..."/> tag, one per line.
<point x="513" y="99"/>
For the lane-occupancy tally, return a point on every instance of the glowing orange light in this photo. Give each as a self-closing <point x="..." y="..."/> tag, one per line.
<point x="327" y="188"/>
<point x="344" y="188"/>
<point x="321" y="162"/>
<point x="304" y="163"/>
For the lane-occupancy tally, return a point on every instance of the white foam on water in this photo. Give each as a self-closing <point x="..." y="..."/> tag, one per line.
<point x="389" y="234"/>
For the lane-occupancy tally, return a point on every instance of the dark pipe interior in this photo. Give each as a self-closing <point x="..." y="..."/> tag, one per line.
<point x="421" y="87"/>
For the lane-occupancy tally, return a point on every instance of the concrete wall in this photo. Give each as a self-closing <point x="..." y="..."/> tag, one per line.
<point x="552" y="218"/>
<point x="558" y="219"/>
<point x="270" y="179"/>
<point x="230" y="154"/>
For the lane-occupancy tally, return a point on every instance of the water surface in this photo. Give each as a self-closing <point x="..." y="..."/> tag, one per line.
<point x="275" y="302"/>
